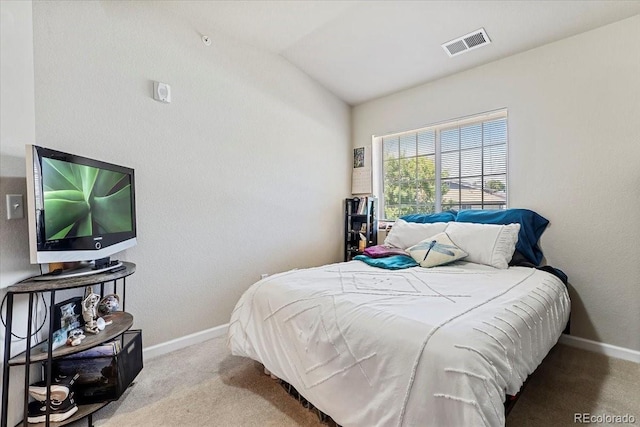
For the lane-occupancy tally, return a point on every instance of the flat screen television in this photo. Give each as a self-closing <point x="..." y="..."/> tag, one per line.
<point x="79" y="209"/>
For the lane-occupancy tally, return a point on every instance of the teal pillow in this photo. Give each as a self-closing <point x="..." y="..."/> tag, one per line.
<point x="446" y="216"/>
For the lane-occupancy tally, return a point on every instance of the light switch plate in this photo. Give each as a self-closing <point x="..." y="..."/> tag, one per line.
<point x="15" y="208"/>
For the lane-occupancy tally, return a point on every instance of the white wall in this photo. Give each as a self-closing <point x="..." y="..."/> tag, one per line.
<point x="243" y="173"/>
<point x="17" y="111"/>
<point x="17" y="127"/>
<point x="574" y="156"/>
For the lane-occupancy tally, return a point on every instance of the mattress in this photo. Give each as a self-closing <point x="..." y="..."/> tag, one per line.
<point x="422" y="346"/>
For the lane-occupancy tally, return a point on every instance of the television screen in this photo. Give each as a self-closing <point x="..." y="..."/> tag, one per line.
<point x="82" y="200"/>
<point x="80" y="209"/>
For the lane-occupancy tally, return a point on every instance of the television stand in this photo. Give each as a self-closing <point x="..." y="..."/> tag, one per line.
<point x="127" y="363"/>
<point x="85" y="270"/>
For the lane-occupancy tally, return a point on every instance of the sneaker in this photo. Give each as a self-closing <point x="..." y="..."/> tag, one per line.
<point x="59" y="388"/>
<point x="60" y="410"/>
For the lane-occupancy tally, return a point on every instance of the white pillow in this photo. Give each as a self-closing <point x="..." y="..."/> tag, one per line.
<point x="404" y="234"/>
<point x="436" y="250"/>
<point x="487" y="244"/>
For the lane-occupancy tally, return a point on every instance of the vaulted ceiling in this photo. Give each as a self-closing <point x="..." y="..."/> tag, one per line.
<point x="361" y="50"/>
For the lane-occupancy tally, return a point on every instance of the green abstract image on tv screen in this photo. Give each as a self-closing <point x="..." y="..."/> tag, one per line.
<point x="83" y="201"/>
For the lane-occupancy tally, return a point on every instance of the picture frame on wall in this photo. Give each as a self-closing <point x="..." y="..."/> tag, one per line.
<point x="361" y="173"/>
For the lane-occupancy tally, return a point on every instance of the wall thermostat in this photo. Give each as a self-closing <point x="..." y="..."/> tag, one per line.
<point x="161" y="92"/>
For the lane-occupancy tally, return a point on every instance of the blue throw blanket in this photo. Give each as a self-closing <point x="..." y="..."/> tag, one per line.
<point x="395" y="262"/>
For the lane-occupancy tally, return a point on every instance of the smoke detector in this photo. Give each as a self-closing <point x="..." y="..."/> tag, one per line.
<point x="466" y="43"/>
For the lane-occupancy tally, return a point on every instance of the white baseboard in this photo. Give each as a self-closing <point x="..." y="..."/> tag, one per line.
<point x="186" y="341"/>
<point x="602" y="348"/>
<point x="218" y="331"/>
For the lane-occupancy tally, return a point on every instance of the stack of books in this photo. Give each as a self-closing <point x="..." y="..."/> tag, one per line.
<point x="362" y="205"/>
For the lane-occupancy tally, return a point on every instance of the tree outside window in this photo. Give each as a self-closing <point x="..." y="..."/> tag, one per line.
<point x="473" y="168"/>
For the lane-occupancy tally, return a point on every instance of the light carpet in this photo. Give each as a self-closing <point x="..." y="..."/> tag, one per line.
<point x="204" y="385"/>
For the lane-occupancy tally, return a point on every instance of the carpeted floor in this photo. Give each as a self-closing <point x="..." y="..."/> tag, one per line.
<point x="204" y="385"/>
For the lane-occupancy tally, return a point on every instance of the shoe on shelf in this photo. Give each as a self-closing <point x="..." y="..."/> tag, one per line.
<point x="60" y="410"/>
<point x="60" y="387"/>
<point x="58" y="392"/>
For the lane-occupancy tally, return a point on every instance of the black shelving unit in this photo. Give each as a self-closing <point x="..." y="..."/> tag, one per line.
<point x="359" y="218"/>
<point x="43" y="352"/>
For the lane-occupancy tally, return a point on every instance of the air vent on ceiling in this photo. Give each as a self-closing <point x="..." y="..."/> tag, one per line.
<point x="467" y="42"/>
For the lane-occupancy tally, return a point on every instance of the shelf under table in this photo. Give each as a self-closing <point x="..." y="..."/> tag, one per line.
<point x="83" y="411"/>
<point x="122" y="321"/>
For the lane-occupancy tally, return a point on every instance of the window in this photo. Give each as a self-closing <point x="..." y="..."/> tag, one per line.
<point x="455" y="165"/>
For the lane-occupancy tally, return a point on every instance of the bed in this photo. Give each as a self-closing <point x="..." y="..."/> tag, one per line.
<point x="414" y="346"/>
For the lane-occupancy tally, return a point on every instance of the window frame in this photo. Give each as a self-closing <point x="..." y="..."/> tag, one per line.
<point x="438" y="128"/>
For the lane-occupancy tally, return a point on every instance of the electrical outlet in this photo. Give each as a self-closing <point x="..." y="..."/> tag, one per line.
<point x="15" y="208"/>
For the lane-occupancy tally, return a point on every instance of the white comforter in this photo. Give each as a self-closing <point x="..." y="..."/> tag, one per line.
<point x="415" y="347"/>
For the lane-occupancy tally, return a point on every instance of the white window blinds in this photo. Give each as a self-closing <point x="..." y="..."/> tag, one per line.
<point x="454" y="165"/>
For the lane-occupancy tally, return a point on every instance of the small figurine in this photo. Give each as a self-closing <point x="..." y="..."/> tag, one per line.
<point x="75" y="337"/>
<point x="89" y="305"/>
<point x="109" y="304"/>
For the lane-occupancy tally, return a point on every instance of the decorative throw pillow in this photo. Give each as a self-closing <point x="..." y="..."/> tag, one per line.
<point x="404" y="234"/>
<point x="436" y="250"/>
<point x="487" y="244"/>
